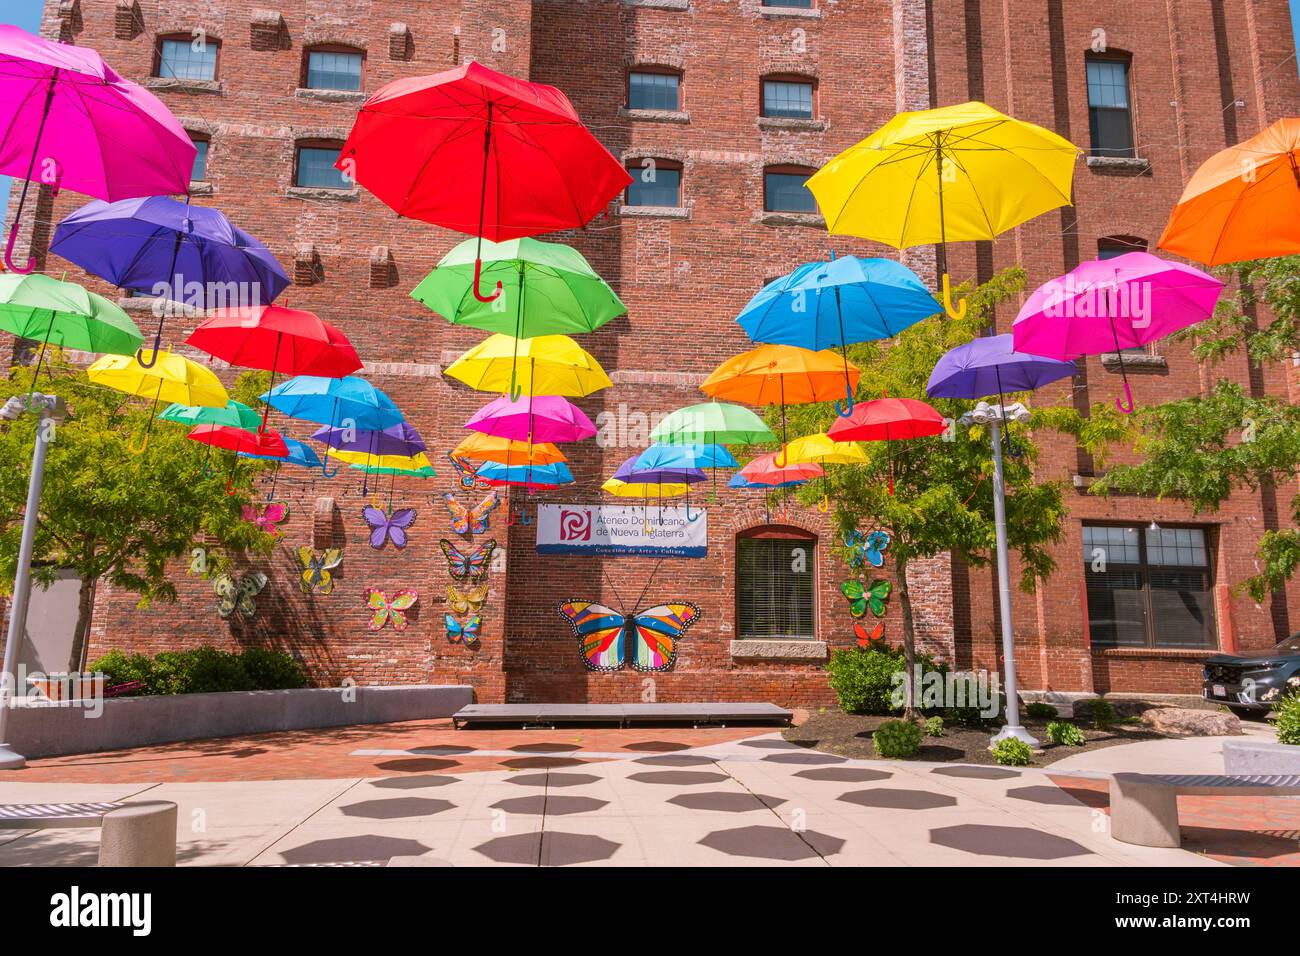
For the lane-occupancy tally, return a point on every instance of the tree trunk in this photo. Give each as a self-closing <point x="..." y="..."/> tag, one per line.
<point x="81" y="636"/>
<point x="910" y="711"/>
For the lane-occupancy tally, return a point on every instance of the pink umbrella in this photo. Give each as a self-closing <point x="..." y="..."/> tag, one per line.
<point x="550" y="418"/>
<point x="90" y="130"/>
<point x="1108" y="305"/>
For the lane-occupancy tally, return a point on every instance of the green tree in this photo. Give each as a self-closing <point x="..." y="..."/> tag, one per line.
<point x="1200" y="449"/>
<point x="108" y="514"/>
<point x="943" y="494"/>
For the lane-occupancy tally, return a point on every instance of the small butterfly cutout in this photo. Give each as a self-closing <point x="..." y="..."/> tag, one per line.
<point x="385" y="527"/>
<point x="463" y="633"/>
<point x="871" y="596"/>
<point x="470" y="565"/>
<point x="464" y="602"/>
<point x="268" y="517"/>
<point x="241" y="596"/>
<point x="866" y="549"/>
<point x="315" y="569"/>
<point x="390" y="609"/>
<point x="865" y="639"/>
<point x="470" y="520"/>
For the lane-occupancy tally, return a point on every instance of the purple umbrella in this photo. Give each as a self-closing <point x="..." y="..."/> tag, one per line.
<point x="143" y="244"/>
<point x="663" y="476"/>
<point x="549" y="418"/>
<point x="91" y="130"/>
<point x="400" y="439"/>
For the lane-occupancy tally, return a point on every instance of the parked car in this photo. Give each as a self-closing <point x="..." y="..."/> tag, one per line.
<point x="1246" y="682"/>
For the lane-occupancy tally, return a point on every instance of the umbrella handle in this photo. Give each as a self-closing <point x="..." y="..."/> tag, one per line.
<point x="960" y="312"/>
<point x="478" y="273"/>
<point x="776" y="459"/>
<point x="524" y="518"/>
<point x="512" y="518"/>
<point x="230" y="488"/>
<point x="153" y="355"/>
<point x="1128" y="408"/>
<point x="328" y="474"/>
<point x="825" y="504"/>
<point x="9" y="253"/>
<point x="688" y="514"/>
<point x="143" y="445"/>
<point x="841" y="409"/>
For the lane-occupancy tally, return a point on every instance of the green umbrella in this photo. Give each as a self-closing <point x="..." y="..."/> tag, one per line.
<point x="235" y="414"/>
<point x="424" y="471"/>
<point x="37" y="307"/>
<point x="712" y="423"/>
<point x="547" y="289"/>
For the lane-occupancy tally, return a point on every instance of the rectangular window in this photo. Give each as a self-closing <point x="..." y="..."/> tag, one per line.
<point x="790" y="4"/>
<point x="1149" y="587"/>
<point x="654" y="186"/>
<point x="316" y="168"/>
<point x="787" y="192"/>
<point x="1109" y="119"/>
<point x="774" y="588"/>
<point x="653" y="91"/>
<point x="333" y="71"/>
<point x="200" y="171"/>
<point x="188" y="60"/>
<point x="1110" y="249"/>
<point x="787" y="99"/>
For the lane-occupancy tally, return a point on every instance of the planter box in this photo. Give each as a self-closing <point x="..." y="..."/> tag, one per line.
<point x="39" y="729"/>
<point x="1260" y="757"/>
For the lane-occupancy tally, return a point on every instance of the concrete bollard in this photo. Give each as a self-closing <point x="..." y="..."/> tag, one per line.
<point x="139" y="834"/>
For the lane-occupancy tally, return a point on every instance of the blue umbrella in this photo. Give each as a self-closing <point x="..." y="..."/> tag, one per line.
<point x="740" y="481"/>
<point x="555" y="474"/>
<point x="684" y="457"/>
<point x="144" y="244"/>
<point x="299" y="454"/>
<point x="400" y="439"/>
<point x="350" y="402"/>
<point x="832" y="304"/>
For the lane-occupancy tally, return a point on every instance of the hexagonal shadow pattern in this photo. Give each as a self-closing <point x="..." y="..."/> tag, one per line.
<point x="353" y="849"/>
<point x="656" y="746"/>
<point x="541" y="763"/>
<point x="417" y="764"/>
<point x="678" y="778"/>
<point x="976" y="773"/>
<point x="397" y="808"/>
<point x="724" y="801"/>
<point x="413" y="783"/>
<point x="813" y="757"/>
<point x="773" y="843"/>
<point x="519" y="848"/>
<point x="552" y="848"/>
<point x="549" y="804"/>
<point x="675" y="760"/>
<point x="545" y="747"/>
<point x="553" y="779"/>
<point x="900" y="799"/>
<point x="1021" y="842"/>
<point x="845" y="774"/>
<point x="771" y="744"/>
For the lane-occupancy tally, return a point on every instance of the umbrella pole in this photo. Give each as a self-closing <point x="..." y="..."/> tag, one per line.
<point x="27" y="181"/>
<point x="162" y="317"/>
<point x="1127" y="409"/>
<point x="206" y="471"/>
<point x="149" y="427"/>
<point x="959" y="312"/>
<point x="1002" y="403"/>
<point x="482" y="206"/>
<point x="776" y="460"/>
<point x="275" y="474"/>
<point x="514" y="358"/>
<point x="325" y="461"/>
<point x="275" y="360"/>
<point x="392" y="480"/>
<point x="40" y="357"/>
<point x="230" y="479"/>
<point x="844" y="409"/>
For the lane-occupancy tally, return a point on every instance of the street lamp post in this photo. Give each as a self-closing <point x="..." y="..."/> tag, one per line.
<point x="995" y="416"/>
<point x="50" y="409"/>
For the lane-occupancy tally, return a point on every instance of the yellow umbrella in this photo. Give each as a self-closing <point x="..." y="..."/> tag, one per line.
<point x="171" y="378"/>
<point x="547" y="365"/>
<point x="821" y="449"/>
<point x="401" y="462"/>
<point x="481" y="447"/>
<point x="958" y="173"/>
<point x="646" y="490"/>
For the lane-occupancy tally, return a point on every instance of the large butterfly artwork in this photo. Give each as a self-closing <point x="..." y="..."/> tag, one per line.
<point x="387" y="608"/>
<point x="470" y="520"/>
<point x="238" y="596"/>
<point x="861" y="598"/>
<point x="468" y="565"/>
<point x="268" y="518"/>
<point x="645" y="641"/>
<point x="467" y="601"/>
<point x="866" y="548"/>
<point x="386" y="526"/>
<point x="468" y="474"/>
<point x="463" y="632"/>
<point x="315" y="570"/>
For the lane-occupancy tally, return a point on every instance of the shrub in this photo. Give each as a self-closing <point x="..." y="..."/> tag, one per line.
<point x="863" y="680"/>
<point x="272" y="670"/>
<point x="119" y="668"/>
<point x="1288" y="719"/>
<point x="1064" y="733"/>
<point x="934" y="727"/>
<point x="1011" y="752"/>
<point x="1103" y="712"/>
<point x="203" y="670"/>
<point x="897" y="738"/>
<point x="1041" y="710"/>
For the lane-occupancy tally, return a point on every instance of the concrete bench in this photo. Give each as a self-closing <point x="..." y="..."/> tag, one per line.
<point x="1144" y="807"/>
<point x="131" y="834"/>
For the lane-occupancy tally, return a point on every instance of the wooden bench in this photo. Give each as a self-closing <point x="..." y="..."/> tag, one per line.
<point x="1144" y="807"/>
<point x="131" y="834"/>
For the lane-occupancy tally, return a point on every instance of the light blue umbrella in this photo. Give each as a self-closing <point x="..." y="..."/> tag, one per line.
<point x="673" y="457"/>
<point x="821" y="305"/>
<point x="299" y="454"/>
<point x="349" y="402"/>
<point x="554" y="474"/>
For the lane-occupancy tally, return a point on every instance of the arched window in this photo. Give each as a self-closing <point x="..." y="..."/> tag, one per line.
<point x="785" y="189"/>
<point x="1108" y="247"/>
<point x="788" y="96"/>
<point x="654" y="88"/>
<point x="314" y="161"/>
<point x="655" y="182"/>
<point x="776" y="583"/>
<point x="186" y="56"/>
<point x="332" y="67"/>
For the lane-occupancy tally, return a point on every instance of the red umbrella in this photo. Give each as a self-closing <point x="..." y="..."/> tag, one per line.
<point x="888" y="419"/>
<point x="237" y="440"/>
<point x="418" y="140"/>
<point x="276" y="339"/>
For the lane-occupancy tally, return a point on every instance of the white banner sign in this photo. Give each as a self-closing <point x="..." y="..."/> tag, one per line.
<point x="622" y="530"/>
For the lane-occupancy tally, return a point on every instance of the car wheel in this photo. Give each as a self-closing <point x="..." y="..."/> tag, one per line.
<point x="1249" y="713"/>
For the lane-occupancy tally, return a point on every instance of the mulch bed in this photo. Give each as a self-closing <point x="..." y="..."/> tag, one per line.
<point x="849" y="735"/>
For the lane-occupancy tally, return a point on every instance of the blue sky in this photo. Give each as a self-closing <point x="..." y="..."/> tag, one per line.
<point x="27" y="14"/>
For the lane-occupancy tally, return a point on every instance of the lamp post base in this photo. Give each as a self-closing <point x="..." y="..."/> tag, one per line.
<point x="1015" y="732"/>
<point x="10" y="760"/>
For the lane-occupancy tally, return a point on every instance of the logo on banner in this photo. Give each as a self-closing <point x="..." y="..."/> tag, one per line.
<point x="575" y="525"/>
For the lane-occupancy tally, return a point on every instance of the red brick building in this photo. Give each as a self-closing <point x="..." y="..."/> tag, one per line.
<point x="723" y="93"/>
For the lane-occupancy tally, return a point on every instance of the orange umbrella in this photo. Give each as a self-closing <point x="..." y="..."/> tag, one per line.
<point x="782" y="375"/>
<point x="481" y="447"/>
<point x="1243" y="203"/>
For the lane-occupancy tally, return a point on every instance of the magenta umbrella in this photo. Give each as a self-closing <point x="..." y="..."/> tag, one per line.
<point x="550" y="418"/>
<point x="1108" y="305"/>
<point x="64" y="108"/>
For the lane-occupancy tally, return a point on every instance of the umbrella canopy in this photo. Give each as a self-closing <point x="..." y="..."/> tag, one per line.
<point x="95" y="132"/>
<point x="548" y="365"/>
<point x="780" y="375"/>
<point x="629" y="472"/>
<point x="172" y="378"/>
<point x="1243" y="202"/>
<point x="401" y="462"/>
<point x="62" y="313"/>
<point x="350" y="402"/>
<point x="740" y="481"/>
<point x="888" y="419"/>
<point x="824" y="450"/>
<point x="644" y="489"/>
<point x="763" y="470"/>
<point x="422" y="472"/>
<point x="709" y="423"/>
<point x="990" y="365"/>
<point x="266" y="444"/>
<point x="1108" y="305"/>
<point x="298" y="454"/>
<point x="684" y="457"/>
<point x="479" y="447"/>
<point x="235" y="414"/>
<point x="399" y="439"/>
<point x="276" y="339"/>
<point x="535" y="475"/>
<point x="544" y="418"/>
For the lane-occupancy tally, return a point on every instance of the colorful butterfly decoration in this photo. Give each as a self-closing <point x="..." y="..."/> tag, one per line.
<point x="268" y="517"/>
<point x="470" y="520"/>
<point x="472" y="565"/>
<point x="871" y="596"/>
<point x="240" y="596"/>
<point x="385" y="527"/>
<point x="866" y="548"/>
<point x="463" y="633"/>
<point x="468" y="474"/>
<point x="315" y="569"/>
<point x="645" y="641"/>
<point x="866" y="639"/>
<point x="390" y="609"/>
<point x="466" y="602"/>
